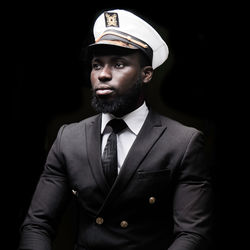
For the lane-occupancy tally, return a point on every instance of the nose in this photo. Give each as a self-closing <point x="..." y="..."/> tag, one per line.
<point x="105" y="74"/>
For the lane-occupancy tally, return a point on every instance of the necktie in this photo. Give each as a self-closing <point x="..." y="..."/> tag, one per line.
<point x="109" y="156"/>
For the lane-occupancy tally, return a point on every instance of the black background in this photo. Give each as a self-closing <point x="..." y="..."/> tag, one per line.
<point x="51" y="89"/>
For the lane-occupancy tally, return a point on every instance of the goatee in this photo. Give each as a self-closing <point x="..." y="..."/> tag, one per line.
<point x="120" y="104"/>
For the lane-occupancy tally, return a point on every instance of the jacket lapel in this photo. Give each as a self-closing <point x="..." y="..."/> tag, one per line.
<point x="147" y="137"/>
<point x="93" y="140"/>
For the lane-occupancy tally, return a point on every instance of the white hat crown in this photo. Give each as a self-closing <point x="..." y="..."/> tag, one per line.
<point x="126" y="22"/>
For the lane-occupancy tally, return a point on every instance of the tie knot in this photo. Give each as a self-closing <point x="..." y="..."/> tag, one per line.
<point x="117" y="125"/>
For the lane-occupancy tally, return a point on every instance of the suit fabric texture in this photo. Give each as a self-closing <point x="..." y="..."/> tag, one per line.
<point x="160" y="200"/>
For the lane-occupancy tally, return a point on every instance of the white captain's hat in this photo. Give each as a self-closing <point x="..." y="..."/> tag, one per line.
<point x="125" y="29"/>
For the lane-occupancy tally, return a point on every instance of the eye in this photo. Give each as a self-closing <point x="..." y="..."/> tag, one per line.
<point x="119" y="65"/>
<point x="96" y="66"/>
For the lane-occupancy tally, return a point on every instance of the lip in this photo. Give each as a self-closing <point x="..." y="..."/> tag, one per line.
<point x="102" y="91"/>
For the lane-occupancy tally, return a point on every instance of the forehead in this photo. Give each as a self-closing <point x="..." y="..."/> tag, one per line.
<point x="131" y="59"/>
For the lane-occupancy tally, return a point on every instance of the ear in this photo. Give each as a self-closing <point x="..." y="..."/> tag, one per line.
<point x="147" y="74"/>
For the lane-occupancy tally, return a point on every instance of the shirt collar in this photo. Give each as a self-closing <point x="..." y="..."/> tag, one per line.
<point x="134" y="120"/>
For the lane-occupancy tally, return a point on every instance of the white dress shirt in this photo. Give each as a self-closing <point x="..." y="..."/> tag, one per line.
<point x="126" y="138"/>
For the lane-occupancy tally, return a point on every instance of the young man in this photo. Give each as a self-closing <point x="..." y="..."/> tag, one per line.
<point x="140" y="179"/>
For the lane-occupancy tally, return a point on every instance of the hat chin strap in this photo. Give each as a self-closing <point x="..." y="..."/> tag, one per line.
<point x="115" y="37"/>
<point x="124" y="36"/>
<point x="117" y="43"/>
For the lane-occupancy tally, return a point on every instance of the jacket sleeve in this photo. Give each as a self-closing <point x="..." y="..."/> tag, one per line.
<point x="48" y="202"/>
<point x="192" y="202"/>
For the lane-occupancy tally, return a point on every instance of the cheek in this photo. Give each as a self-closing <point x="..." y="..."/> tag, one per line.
<point x="126" y="81"/>
<point x="92" y="78"/>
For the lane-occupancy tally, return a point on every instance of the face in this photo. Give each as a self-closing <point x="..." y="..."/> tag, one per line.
<point x="117" y="81"/>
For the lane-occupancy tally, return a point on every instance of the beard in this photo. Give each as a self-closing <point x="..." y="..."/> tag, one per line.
<point x="120" y="104"/>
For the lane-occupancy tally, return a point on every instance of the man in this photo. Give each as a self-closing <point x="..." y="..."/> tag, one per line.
<point x="140" y="179"/>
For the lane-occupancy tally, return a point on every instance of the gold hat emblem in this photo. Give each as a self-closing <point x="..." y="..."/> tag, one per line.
<point x="111" y="19"/>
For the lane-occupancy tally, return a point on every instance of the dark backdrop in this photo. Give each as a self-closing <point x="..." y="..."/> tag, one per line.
<point x="51" y="89"/>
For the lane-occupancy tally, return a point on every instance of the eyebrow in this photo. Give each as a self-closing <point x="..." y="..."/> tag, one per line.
<point x="112" y="58"/>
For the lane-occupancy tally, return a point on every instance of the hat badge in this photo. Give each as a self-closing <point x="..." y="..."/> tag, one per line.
<point x="111" y="19"/>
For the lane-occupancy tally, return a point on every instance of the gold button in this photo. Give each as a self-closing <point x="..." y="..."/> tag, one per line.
<point x="99" y="220"/>
<point x="124" y="224"/>
<point x="152" y="200"/>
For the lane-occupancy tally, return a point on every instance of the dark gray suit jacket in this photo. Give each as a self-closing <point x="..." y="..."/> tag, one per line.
<point x="161" y="199"/>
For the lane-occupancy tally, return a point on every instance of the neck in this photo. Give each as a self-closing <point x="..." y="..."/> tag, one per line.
<point x="129" y="109"/>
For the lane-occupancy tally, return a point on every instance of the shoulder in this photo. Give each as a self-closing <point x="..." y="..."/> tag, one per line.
<point x="77" y="127"/>
<point x="176" y="130"/>
<point x="173" y="124"/>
